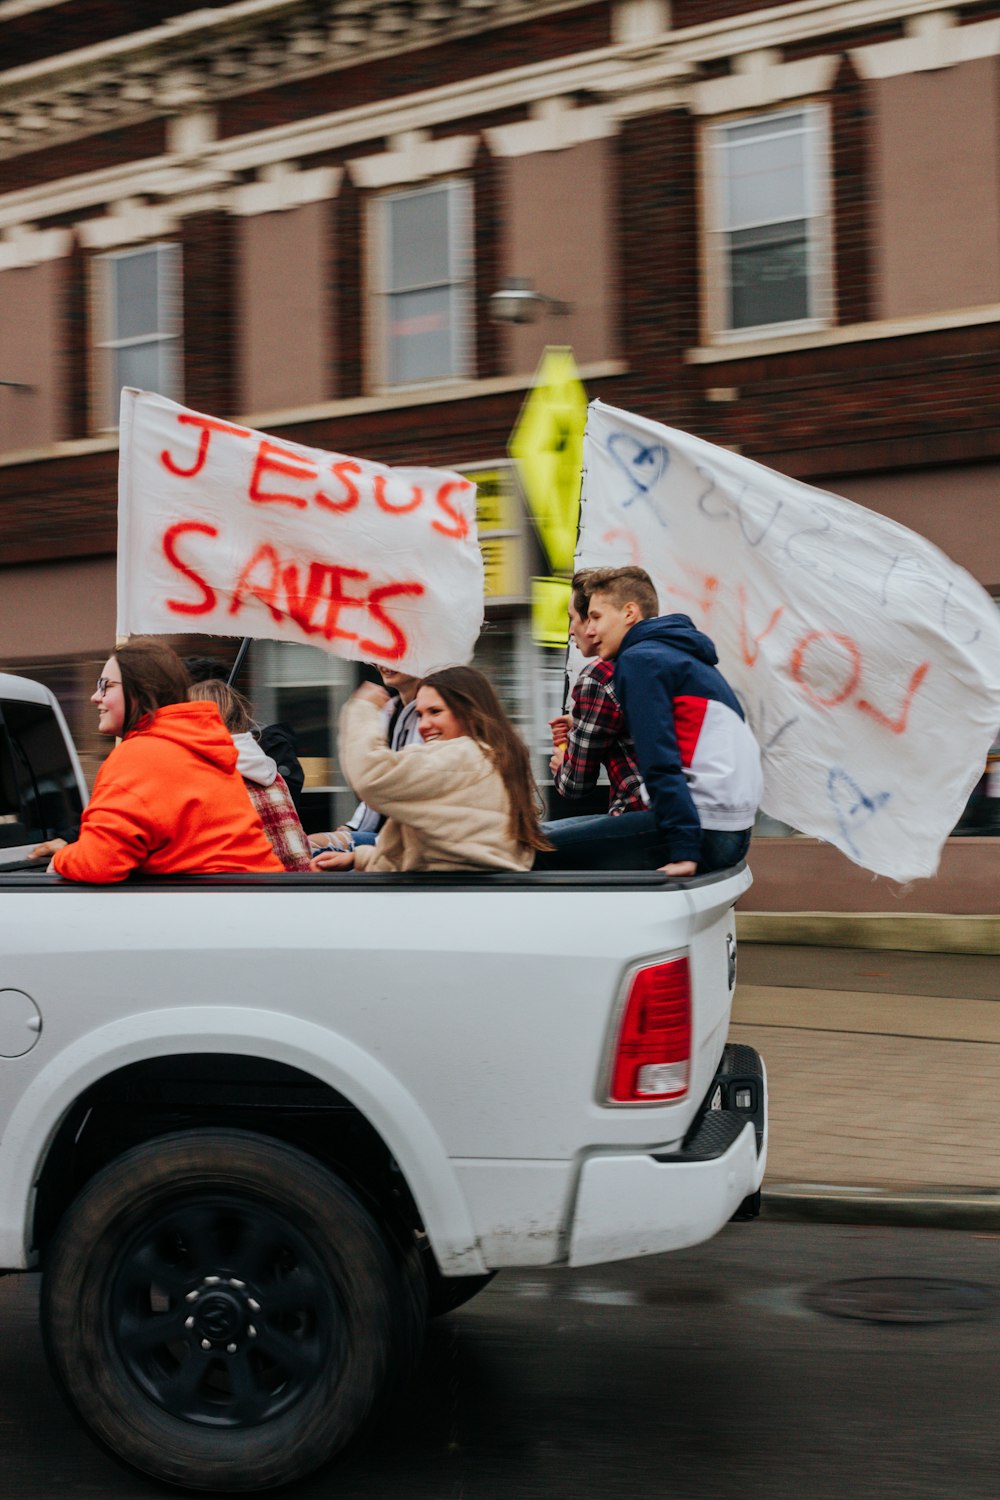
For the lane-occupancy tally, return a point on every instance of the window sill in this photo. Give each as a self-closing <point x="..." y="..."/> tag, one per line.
<point x="850" y="333"/>
<point x="422" y="395"/>
<point x="464" y="390"/>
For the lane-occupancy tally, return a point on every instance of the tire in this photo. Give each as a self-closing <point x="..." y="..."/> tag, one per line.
<point x="223" y="1313"/>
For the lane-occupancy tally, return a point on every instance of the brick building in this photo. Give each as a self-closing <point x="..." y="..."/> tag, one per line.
<point x="777" y="226"/>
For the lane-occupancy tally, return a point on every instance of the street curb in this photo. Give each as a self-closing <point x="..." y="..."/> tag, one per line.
<point x="918" y="1208"/>
<point x="916" y="932"/>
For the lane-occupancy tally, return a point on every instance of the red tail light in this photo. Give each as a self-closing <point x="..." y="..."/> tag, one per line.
<point x="654" y="1040"/>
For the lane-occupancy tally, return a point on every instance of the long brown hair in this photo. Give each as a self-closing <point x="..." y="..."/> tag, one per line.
<point x="153" y="675"/>
<point x="473" y="701"/>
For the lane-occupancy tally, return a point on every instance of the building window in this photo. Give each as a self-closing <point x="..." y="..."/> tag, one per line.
<point x="769" y="222"/>
<point x="423" y="284"/>
<point x="138" y="319"/>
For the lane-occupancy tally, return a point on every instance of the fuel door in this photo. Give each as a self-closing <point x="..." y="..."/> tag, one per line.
<point x="20" y="1023"/>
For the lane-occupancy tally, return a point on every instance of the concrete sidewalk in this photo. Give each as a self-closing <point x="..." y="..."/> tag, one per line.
<point x="884" y="1082"/>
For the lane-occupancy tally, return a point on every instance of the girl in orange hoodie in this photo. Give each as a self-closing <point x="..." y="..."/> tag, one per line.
<point x="168" y="800"/>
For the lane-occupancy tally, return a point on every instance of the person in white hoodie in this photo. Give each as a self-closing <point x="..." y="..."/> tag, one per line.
<point x="463" y="798"/>
<point x="265" y="785"/>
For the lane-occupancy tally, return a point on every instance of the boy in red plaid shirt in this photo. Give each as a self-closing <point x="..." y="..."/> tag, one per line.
<point x="595" y="735"/>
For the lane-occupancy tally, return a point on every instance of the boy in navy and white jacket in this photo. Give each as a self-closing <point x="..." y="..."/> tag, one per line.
<point x="699" y="760"/>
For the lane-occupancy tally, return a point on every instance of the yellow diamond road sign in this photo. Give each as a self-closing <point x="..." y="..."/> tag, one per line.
<point x="547" y="446"/>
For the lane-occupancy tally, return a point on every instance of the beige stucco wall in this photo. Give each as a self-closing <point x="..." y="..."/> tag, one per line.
<point x="957" y="509"/>
<point x="802" y="874"/>
<point x="284" y="323"/>
<point x="559" y="228"/>
<point x="936" y="162"/>
<point x="30" y="341"/>
<point x="57" y="611"/>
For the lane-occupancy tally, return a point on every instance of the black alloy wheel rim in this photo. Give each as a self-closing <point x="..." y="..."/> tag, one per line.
<point x="223" y="1313"/>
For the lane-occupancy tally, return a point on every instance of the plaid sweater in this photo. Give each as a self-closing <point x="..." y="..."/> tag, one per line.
<point x="281" y="822"/>
<point x="599" y="737"/>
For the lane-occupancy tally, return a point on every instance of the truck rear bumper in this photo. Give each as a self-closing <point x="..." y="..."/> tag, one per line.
<point x="645" y="1204"/>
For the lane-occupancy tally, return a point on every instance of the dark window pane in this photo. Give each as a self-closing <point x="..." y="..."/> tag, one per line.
<point x="141" y="366"/>
<point x="421" y="342"/>
<point x="767" y="181"/>
<point x="762" y="126"/>
<point x="136" y="306"/>
<point x="419" y="253"/>
<point x="769" y="280"/>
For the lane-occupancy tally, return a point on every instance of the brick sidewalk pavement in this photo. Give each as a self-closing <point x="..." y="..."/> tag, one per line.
<point x="876" y="1090"/>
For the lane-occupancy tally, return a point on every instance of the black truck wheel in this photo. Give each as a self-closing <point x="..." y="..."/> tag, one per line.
<point x="222" y="1312"/>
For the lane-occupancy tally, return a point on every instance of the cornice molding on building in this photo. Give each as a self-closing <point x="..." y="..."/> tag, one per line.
<point x="131" y="223"/>
<point x="330" y="23"/>
<point x="412" y="156"/>
<point x="134" y="223"/>
<point x="628" y="82"/>
<point x="515" y="88"/>
<point x="639" y="22"/>
<point x="283" y="188"/>
<point x="554" y="126"/>
<point x="943" y="46"/>
<point x="188" y="134"/>
<point x="650" y="101"/>
<point x="11" y="9"/>
<point x="162" y="177"/>
<point x="799" y="21"/>
<point x="218" y="161"/>
<point x="32" y="247"/>
<point x="757" y="87"/>
<point x="850" y="333"/>
<point x="213" y="54"/>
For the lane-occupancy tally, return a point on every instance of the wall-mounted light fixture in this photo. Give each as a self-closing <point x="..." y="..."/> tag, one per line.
<point x="518" y="302"/>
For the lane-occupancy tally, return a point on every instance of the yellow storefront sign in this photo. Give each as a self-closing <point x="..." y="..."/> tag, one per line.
<point x="498" y="521"/>
<point x="550" y="611"/>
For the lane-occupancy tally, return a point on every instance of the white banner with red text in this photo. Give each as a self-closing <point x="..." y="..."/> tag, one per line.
<point x="867" y="662"/>
<point x="227" y="531"/>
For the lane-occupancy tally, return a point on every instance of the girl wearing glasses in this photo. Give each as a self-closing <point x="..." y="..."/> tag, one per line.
<point x="168" y="800"/>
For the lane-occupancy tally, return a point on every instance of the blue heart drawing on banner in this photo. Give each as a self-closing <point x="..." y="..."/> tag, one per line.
<point x="852" y="807"/>
<point x="643" y="464"/>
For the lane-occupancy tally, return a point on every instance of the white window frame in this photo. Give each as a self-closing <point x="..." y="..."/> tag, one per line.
<point x="818" y="217"/>
<point x="169" y="326"/>
<point x="460" y="278"/>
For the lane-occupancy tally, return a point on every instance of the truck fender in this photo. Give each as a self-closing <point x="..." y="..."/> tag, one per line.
<point x="323" y="1054"/>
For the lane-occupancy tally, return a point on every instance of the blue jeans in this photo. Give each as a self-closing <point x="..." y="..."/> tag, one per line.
<point x="631" y="841"/>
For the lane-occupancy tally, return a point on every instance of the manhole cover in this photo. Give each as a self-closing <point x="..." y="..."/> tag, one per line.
<point x="903" y="1299"/>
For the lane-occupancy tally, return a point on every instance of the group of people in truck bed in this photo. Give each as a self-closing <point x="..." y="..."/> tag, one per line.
<point x="444" y="776"/>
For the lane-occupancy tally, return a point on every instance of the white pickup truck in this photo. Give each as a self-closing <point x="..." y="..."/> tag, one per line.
<point x="252" y="1128"/>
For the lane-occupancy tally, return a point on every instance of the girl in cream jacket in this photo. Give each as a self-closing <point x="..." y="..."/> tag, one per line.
<point x="462" y="798"/>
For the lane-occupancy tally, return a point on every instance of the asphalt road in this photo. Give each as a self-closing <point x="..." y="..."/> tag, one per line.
<point x="705" y="1375"/>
